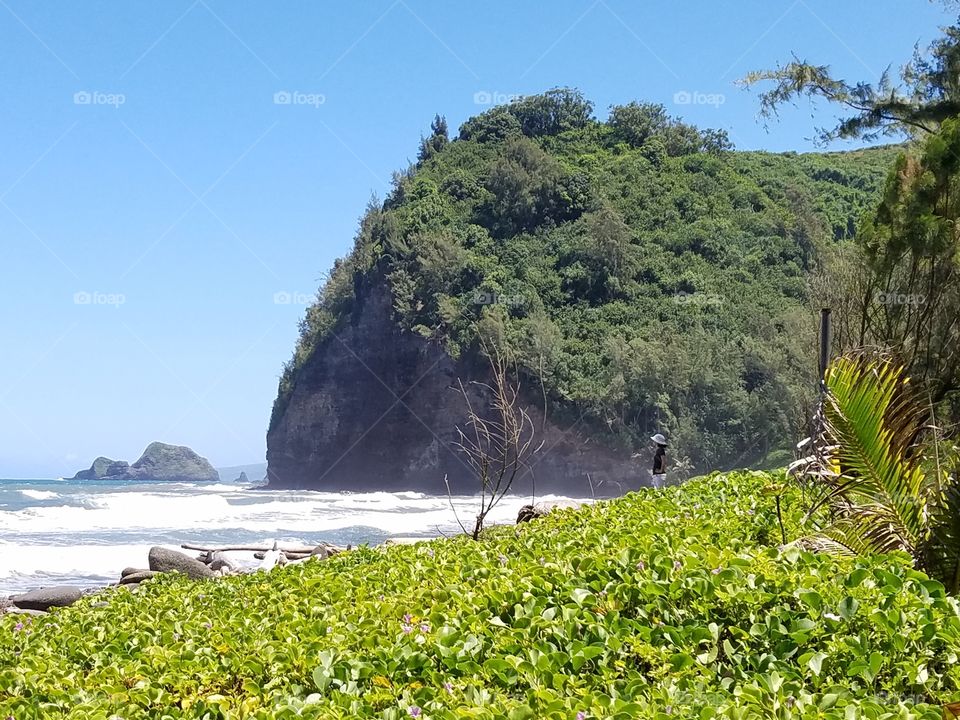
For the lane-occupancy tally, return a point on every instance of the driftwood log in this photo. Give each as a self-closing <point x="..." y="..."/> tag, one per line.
<point x="211" y="555"/>
<point x="250" y="548"/>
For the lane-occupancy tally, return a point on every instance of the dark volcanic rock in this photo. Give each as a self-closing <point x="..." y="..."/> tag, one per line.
<point x="119" y="467"/>
<point x="528" y="513"/>
<point x="159" y="462"/>
<point x="97" y="471"/>
<point x="541" y="509"/>
<point x="45" y="598"/>
<point x="163" y="560"/>
<point x="375" y="408"/>
<point x="138" y="576"/>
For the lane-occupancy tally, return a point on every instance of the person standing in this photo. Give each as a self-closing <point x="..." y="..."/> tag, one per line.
<point x="659" y="461"/>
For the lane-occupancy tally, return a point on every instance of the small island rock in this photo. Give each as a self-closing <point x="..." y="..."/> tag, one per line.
<point x="160" y="462"/>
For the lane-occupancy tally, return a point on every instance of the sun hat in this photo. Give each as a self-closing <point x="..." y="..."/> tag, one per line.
<point x="659" y="439"/>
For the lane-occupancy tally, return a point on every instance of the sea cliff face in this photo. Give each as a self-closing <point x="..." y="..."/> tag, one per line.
<point x="376" y="408"/>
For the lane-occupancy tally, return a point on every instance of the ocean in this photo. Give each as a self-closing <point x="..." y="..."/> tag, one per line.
<point x="84" y="532"/>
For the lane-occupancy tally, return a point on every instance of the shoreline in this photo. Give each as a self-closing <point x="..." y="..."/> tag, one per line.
<point x="207" y="565"/>
<point x="83" y="533"/>
<point x="213" y="562"/>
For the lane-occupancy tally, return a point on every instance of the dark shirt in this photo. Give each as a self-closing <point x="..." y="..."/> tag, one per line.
<point x="660" y="461"/>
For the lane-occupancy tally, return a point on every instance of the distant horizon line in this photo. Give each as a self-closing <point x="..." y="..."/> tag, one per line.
<point x="60" y="477"/>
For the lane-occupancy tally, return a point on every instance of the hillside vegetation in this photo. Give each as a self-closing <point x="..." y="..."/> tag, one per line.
<point x="646" y="275"/>
<point x="671" y="603"/>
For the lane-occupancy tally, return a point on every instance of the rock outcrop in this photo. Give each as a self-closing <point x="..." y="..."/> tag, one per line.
<point x="159" y="462"/>
<point x="376" y="408"/>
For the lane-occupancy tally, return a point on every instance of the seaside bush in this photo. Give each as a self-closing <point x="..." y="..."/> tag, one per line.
<point x="673" y="603"/>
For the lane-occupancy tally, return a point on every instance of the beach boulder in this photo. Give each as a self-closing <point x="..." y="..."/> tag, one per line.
<point x="138" y="576"/>
<point x="532" y="512"/>
<point x="46" y="598"/>
<point x="164" y="560"/>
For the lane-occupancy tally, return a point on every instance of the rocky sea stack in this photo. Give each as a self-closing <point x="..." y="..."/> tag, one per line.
<point x="159" y="463"/>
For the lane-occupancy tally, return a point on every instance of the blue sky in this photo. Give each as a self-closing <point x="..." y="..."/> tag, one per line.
<point x="164" y="215"/>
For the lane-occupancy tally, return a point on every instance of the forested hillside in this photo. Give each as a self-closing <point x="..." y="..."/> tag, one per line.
<point x="642" y="273"/>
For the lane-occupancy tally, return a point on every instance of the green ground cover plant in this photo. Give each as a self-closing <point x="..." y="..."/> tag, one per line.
<point x="673" y="603"/>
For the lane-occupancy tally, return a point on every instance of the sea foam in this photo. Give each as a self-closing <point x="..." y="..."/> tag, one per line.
<point x="86" y="533"/>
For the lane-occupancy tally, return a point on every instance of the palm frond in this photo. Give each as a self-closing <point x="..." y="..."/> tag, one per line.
<point x="868" y="465"/>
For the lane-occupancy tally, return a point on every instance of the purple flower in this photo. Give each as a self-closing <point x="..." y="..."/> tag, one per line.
<point x="407" y="628"/>
<point x="581" y="715"/>
<point x="448" y="686"/>
<point x="18" y="627"/>
<point x="424" y="627"/>
<point x="208" y="625"/>
<point x="641" y="566"/>
<point x="677" y="565"/>
<point x="715" y="571"/>
<point x="503" y="559"/>
<point x="408" y="618"/>
<point x="414" y="711"/>
<point x="430" y="553"/>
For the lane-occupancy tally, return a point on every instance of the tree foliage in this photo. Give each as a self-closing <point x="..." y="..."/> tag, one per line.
<point x="897" y="287"/>
<point x="927" y="94"/>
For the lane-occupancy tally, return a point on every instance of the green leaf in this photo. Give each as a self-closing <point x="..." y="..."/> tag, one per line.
<point x="848" y="608"/>
<point x="579" y="595"/>
<point x="815" y="662"/>
<point x="812" y="599"/>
